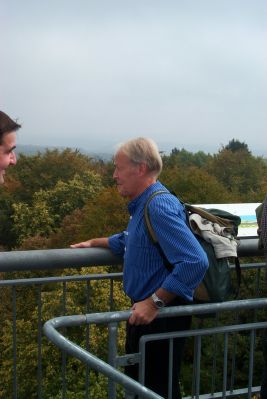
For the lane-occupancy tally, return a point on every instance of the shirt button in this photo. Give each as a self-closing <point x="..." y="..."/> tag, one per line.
<point x="131" y="217"/>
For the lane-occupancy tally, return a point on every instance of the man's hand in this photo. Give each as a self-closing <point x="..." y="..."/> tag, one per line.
<point x="94" y="242"/>
<point x="84" y="244"/>
<point x="143" y="312"/>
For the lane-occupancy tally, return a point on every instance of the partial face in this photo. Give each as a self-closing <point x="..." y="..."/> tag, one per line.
<point x="127" y="176"/>
<point x="7" y="155"/>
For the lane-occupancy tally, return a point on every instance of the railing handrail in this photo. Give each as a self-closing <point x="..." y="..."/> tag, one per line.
<point x="51" y="326"/>
<point x="47" y="259"/>
<point x="51" y="259"/>
<point x="186" y="310"/>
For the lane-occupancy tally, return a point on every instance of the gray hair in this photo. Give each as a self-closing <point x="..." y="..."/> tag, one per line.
<point x="142" y="150"/>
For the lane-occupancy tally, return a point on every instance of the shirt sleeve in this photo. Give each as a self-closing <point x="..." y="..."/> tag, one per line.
<point x="116" y="243"/>
<point x="180" y="246"/>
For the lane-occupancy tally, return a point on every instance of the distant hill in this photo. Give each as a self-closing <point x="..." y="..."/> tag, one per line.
<point x="35" y="149"/>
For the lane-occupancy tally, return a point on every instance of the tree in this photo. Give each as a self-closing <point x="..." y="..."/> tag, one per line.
<point x="43" y="171"/>
<point x="104" y="214"/>
<point x="183" y="158"/>
<point x="49" y="207"/>
<point x="37" y="173"/>
<point x="236" y="145"/>
<point x="195" y="185"/>
<point x="243" y="175"/>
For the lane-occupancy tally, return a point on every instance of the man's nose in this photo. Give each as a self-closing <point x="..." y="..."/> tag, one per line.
<point x="13" y="158"/>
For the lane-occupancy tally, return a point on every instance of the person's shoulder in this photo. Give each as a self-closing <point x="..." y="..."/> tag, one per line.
<point x="165" y="201"/>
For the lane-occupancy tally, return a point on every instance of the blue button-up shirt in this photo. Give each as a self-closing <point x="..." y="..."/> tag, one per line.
<point x="144" y="271"/>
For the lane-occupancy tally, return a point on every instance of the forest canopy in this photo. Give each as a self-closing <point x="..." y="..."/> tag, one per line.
<point x="48" y="191"/>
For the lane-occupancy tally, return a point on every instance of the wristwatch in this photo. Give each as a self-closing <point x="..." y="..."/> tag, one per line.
<point x="157" y="301"/>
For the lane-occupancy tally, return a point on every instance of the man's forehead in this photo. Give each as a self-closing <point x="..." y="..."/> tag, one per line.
<point x="9" y="138"/>
<point x="120" y="155"/>
<point x="8" y="142"/>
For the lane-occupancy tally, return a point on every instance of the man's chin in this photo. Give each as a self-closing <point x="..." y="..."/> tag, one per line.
<point x="122" y="192"/>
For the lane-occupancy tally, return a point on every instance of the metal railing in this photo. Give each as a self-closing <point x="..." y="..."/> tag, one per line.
<point x="51" y="259"/>
<point x="36" y="298"/>
<point x="112" y="319"/>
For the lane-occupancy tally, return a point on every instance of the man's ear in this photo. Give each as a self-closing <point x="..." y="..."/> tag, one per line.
<point x="142" y="168"/>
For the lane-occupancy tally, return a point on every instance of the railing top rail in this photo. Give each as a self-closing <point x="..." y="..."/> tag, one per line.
<point x="194" y="309"/>
<point x="67" y="257"/>
<point x="56" y="259"/>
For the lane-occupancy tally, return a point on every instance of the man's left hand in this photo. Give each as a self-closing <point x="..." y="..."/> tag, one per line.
<point x="143" y="312"/>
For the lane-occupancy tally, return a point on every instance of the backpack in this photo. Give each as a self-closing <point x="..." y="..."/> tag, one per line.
<point x="260" y="230"/>
<point x="216" y="285"/>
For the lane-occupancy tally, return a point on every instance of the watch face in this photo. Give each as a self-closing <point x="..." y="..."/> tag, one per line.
<point x="157" y="301"/>
<point x="159" y="304"/>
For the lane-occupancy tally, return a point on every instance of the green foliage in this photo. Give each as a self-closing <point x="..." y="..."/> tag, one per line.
<point x="43" y="171"/>
<point x="6" y="233"/>
<point x="182" y="158"/>
<point x="49" y="207"/>
<point x="32" y="183"/>
<point x="195" y="185"/>
<point x="236" y="145"/>
<point x="105" y="215"/>
<point x="243" y="175"/>
<point x="45" y="188"/>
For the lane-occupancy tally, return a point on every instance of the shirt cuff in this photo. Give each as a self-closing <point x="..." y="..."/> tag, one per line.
<point x="116" y="244"/>
<point x="177" y="287"/>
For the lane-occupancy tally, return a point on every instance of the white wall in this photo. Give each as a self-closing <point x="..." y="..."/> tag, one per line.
<point x="246" y="212"/>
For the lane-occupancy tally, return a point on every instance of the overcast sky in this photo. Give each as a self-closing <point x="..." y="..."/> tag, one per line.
<point x="91" y="73"/>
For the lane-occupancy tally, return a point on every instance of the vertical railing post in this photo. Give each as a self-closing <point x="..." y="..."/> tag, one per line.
<point x="198" y="360"/>
<point x="64" y="356"/>
<point x="112" y="354"/>
<point x="214" y="358"/>
<point x="39" y="340"/>
<point x="251" y="362"/>
<point x="225" y="368"/>
<point x="170" y="368"/>
<point x="14" y="338"/>
<point x="111" y="296"/>
<point x="87" y="340"/>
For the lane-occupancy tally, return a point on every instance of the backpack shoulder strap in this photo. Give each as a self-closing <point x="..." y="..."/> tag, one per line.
<point x="151" y="232"/>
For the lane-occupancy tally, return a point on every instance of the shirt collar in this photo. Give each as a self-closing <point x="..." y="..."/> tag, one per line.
<point x="143" y="197"/>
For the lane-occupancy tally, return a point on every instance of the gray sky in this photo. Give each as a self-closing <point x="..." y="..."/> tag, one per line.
<point x="90" y="73"/>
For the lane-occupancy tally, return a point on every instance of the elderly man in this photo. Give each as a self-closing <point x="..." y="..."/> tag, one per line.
<point x="8" y="130"/>
<point x="146" y="280"/>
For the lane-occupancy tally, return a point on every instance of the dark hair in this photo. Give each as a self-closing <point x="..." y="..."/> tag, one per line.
<point x="7" y="125"/>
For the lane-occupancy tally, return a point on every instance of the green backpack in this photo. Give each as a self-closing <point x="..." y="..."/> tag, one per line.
<point x="216" y="285"/>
